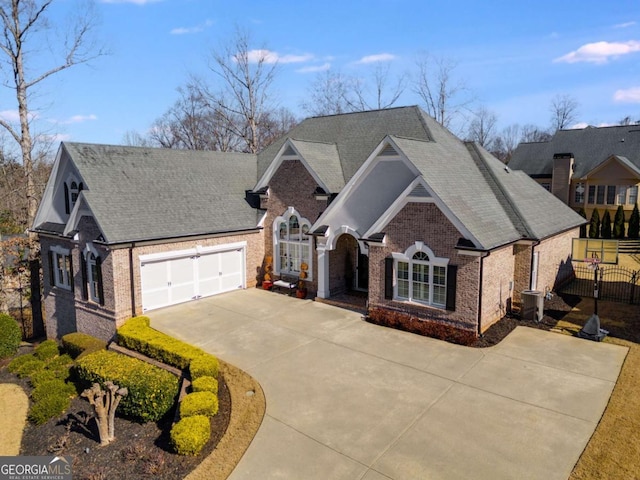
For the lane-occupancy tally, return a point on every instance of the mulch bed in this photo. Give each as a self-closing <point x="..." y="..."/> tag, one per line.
<point x="555" y="309"/>
<point x="140" y="451"/>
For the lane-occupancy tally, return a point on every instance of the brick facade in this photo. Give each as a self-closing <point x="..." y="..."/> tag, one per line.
<point x="425" y="222"/>
<point x="498" y="270"/>
<point x="553" y="253"/>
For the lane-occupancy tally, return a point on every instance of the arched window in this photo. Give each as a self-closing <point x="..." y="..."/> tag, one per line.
<point x="421" y="276"/>
<point x="292" y="243"/>
<point x="72" y="189"/>
<point x="92" y="276"/>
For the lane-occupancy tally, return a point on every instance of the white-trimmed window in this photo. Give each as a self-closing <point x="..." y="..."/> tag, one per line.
<point x="421" y="276"/>
<point x="292" y="243"/>
<point x="579" y="193"/>
<point x="60" y="267"/>
<point x="633" y="195"/>
<point x="92" y="275"/>
<point x="72" y="188"/>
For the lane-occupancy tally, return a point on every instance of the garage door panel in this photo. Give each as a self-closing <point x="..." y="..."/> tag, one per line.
<point x="209" y="274"/>
<point x="155" y="285"/>
<point x="181" y="276"/>
<point x="231" y="266"/>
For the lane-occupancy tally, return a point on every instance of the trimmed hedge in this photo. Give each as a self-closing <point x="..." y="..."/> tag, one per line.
<point x="199" y="403"/>
<point x="47" y="350"/>
<point x="152" y="390"/>
<point x="205" y="384"/>
<point x="78" y="345"/>
<point x="190" y="435"/>
<point x="137" y="335"/>
<point x="10" y="335"/>
<point x="427" y="328"/>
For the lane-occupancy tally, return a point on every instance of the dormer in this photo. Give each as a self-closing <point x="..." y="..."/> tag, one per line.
<point x="72" y="188"/>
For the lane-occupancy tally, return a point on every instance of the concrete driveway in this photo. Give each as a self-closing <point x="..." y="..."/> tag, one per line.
<point x="350" y="400"/>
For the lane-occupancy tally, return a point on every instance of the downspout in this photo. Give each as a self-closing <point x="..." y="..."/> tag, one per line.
<point x="533" y="246"/>
<point x="480" y="293"/>
<point x="131" y="281"/>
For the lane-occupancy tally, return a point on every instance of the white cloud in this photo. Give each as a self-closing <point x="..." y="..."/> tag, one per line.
<point x="629" y="95"/>
<point x="14" y="116"/>
<point x="315" y="68"/>
<point x="191" y="30"/>
<point x="624" y="25"/>
<point x="268" y="56"/>
<point x="135" y="2"/>
<point x="600" y="52"/>
<point x="380" y="57"/>
<point x="79" y="119"/>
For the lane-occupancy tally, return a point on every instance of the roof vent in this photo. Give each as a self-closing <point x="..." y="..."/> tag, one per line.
<point x="289" y="151"/>
<point x="388" y="151"/>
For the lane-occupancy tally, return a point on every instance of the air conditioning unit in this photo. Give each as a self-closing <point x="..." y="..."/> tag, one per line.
<point x="532" y="305"/>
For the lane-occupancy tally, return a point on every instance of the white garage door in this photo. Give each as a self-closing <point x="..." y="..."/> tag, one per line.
<point x="180" y="276"/>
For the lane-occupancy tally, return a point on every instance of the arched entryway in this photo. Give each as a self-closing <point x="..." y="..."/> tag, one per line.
<point x="348" y="266"/>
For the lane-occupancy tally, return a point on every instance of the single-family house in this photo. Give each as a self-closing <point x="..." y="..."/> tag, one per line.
<point x="590" y="168"/>
<point x="387" y="202"/>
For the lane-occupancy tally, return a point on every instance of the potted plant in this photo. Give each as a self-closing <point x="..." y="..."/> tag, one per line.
<point x="267" y="280"/>
<point x="301" y="291"/>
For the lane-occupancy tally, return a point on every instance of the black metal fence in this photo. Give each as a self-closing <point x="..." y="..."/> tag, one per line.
<point x="615" y="283"/>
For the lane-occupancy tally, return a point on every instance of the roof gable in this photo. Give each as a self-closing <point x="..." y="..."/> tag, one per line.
<point x="615" y="166"/>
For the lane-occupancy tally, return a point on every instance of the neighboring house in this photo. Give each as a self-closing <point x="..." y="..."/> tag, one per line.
<point x="587" y="168"/>
<point x="387" y="202"/>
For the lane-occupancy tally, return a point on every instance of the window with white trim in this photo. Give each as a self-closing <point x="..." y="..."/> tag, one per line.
<point x="579" y="193"/>
<point x="633" y="195"/>
<point x="292" y="243"/>
<point x="421" y="276"/>
<point x="60" y="267"/>
<point x="94" y="278"/>
<point x="92" y="275"/>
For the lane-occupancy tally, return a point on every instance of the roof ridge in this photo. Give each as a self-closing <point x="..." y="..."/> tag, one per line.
<point x="362" y="112"/>
<point x="494" y="183"/>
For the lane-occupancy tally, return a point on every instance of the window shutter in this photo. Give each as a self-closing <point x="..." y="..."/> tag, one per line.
<point x="67" y="210"/>
<point x="83" y="268"/>
<point x="388" y="278"/>
<point x="100" y="287"/>
<point x="452" y="272"/>
<point x="52" y="280"/>
<point x="70" y="273"/>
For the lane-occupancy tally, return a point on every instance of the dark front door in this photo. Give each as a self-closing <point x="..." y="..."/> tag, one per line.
<point x="362" y="271"/>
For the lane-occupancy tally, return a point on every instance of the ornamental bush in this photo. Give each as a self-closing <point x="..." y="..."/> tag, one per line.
<point x="79" y="344"/>
<point x="10" y="336"/>
<point x="594" y="224"/>
<point x="205" y="384"/>
<point x="605" y="228"/>
<point x="190" y="435"/>
<point x="53" y="387"/>
<point x="47" y="350"/>
<point x="137" y="335"/>
<point x="199" y="403"/>
<point x="26" y="365"/>
<point x="152" y="390"/>
<point x="618" y="223"/>
<point x="51" y="405"/>
<point x="42" y="376"/>
<point x="204" y="365"/>
<point x="634" y="223"/>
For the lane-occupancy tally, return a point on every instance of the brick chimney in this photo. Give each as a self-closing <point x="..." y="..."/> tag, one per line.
<point x="561" y="176"/>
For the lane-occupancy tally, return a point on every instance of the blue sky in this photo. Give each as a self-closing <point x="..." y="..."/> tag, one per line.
<point x="515" y="56"/>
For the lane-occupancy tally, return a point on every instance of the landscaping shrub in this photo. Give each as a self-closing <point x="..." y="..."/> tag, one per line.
<point x="594" y="224"/>
<point x="47" y="350"/>
<point x="634" y="223"/>
<point x="50" y="405"/>
<point x="204" y="365"/>
<point x="10" y="336"/>
<point x="136" y="334"/>
<point x="53" y="387"/>
<point x="41" y="376"/>
<point x="583" y="228"/>
<point x="26" y="365"/>
<point x="190" y="435"/>
<point x="428" y="328"/>
<point x="152" y="391"/>
<point x="205" y="384"/>
<point x="199" y="403"/>
<point x="79" y="344"/>
<point x="605" y="229"/>
<point x="618" y="223"/>
<point x="60" y="364"/>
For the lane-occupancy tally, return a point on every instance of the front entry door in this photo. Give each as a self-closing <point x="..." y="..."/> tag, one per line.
<point x="362" y="271"/>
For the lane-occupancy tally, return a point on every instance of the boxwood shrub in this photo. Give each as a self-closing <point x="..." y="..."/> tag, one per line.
<point x="10" y="335"/>
<point x="80" y="344"/>
<point x="199" y="403"/>
<point x="205" y="384"/>
<point x="152" y="390"/>
<point x="47" y="350"/>
<point x="190" y="435"/>
<point x="204" y="365"/>
<point x="137" y="335"/>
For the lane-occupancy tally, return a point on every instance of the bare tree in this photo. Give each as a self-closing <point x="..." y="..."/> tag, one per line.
<point x="133" y="138"/>
<point x="564" y="111"/>
<point x="24" y="26"/>
<point x="245" y="96"/>
<point x="446" y="98"/>
<point x="328" y="94"/>
<point x="628" y="120"/>
<point x="386" y="90"/>
<point x="533" y="133"/>
<point x="482" y="128"/>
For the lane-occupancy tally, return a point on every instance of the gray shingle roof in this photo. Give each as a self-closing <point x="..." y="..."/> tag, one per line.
<point x="355" y="135"/>
<point x="590" y="146"/>
<point x="147" y="193"/>
<point x="323" y="158"/>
